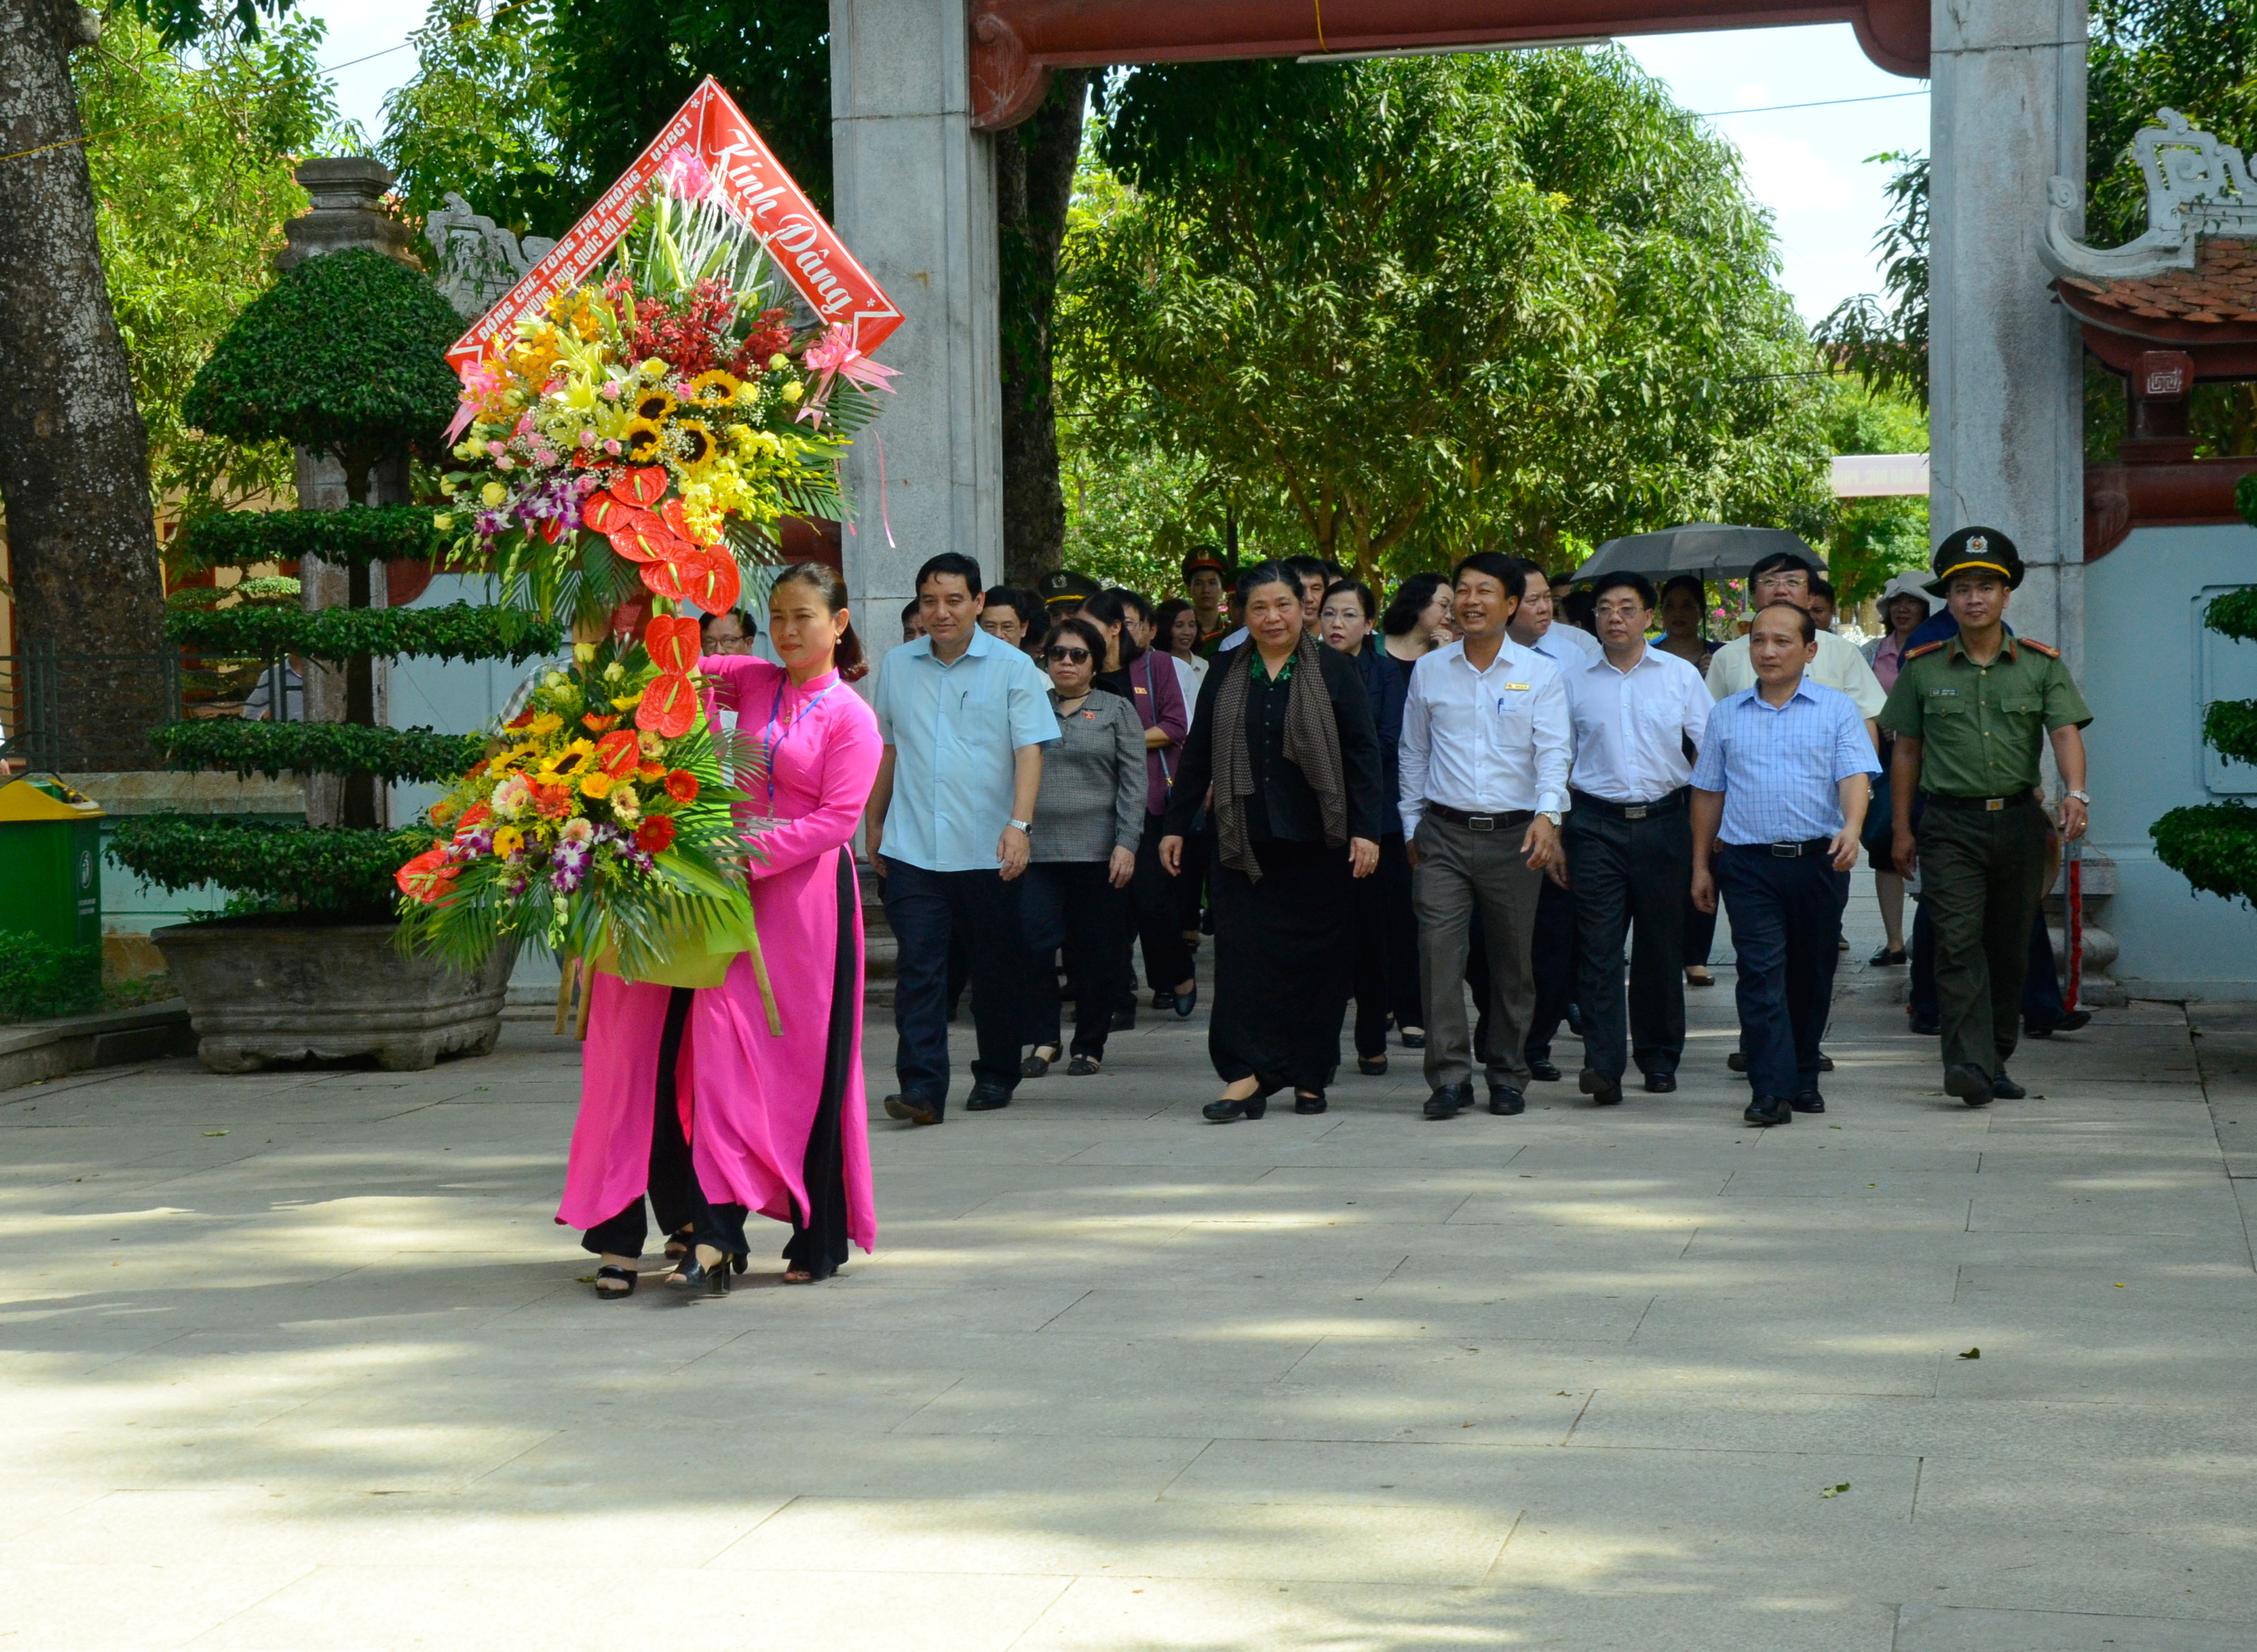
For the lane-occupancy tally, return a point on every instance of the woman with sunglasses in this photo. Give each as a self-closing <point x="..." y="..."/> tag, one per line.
<point x="1088" y="818"/>
<point x="1284" y="737"/>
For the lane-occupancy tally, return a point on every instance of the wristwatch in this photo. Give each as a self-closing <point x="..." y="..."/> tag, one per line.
<point x="1553" y="815"/>
<point x="2084" y="797"/>
<point x="1026" y="826"/>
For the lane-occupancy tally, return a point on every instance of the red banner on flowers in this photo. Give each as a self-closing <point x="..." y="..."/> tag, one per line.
<point x="806" y="249"/>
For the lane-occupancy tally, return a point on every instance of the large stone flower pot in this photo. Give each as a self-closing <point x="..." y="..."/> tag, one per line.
<point x="266" y="988"/>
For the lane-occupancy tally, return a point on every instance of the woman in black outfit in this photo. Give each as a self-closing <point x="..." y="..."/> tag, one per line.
<point x="1284" y="736"/>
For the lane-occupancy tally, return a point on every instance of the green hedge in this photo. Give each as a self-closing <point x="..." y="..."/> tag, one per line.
<point x="357" y="534"/>
<point x="2235" y="614"/>
<point x="315" y="749"/>
<point x="458" y="631"/>
<point x="345" y="351"/>
<point x="39" y="979"/>
<point x="2213" y="845"/>
<point x="2230" y="725"/>
<point x="335" y="869"/>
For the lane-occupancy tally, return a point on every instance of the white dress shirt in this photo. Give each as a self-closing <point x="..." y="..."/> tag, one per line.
<point x="1566" y="645"/>
<point x="1632" y="727"/>
<point x="1188" y="673"/>
<point x="1487" y="743"/>
<point x="1837" y="666"/>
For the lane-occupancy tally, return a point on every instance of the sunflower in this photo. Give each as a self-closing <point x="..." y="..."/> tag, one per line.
<point x="653" y="404"/>
<point x="714" y="389"/>
<point x="694" y="443"/>
<point x="566" y="763"/>
<point x="642" y="439"/>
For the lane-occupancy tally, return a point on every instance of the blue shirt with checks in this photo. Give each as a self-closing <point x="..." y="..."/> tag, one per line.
<point x="1779" y="766"/>
<point x="954" y="727"/>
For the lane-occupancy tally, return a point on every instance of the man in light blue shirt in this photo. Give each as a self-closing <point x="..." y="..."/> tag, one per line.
<point x="963" y="717"/>
<point x="1785" y="774"/>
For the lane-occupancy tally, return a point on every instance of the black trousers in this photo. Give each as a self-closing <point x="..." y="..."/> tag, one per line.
<point x="1401" y="934"/>
<point x="1787" y="916"/>
<point x="925" y="909"/>
<point x="1071" y="904"/>
<point x="1192" y="892"/>
<point x="1367" y="964"/>
<point x="1281" y="974"/>
<point x="1551" y="959"/>
<point x="1700" y="931"/>
<point x="1630" y="873"/>
<point x="675" y="1197"/>
<point x="1156" y="912"/>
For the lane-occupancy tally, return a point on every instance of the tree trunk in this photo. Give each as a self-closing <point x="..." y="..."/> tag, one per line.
<point x="1034" y="183"/>
<point x="73" y="453"/>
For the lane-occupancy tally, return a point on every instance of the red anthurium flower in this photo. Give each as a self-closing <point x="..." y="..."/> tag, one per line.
<point x="669" y="706"/>
<point x="618" y="753"/>
<point x="642" y="486"/>
<point x="428" y="879"/>
<point x="672" y="641"/>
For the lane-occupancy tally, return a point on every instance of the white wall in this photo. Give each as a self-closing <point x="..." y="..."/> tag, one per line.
<point x="2147" y="656"/>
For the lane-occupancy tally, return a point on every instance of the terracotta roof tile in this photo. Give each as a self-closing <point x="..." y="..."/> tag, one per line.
<point x="2222" y="287"/>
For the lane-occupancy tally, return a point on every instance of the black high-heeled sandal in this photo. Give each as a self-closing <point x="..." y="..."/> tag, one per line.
<point x="694" y="1273"/>
<point x="614" y="1284"/>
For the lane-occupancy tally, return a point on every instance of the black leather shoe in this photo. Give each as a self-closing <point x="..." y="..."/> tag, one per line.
<point x="912" y="1111"/>
<point x="1037" y="1064"/>
<point x="1230" y="1112"/>
<point x="1125" y="1020"/>
<point x="1809" y="1102"/>
<point x="986" y="1097"/>
<point x="1925" y="1026"/>
<point x="1081" y="1065"/>
<point x="1576" y="1017"/>
<point x="1737" y="1061"/>
<point x="1449" y="1100"/>
<point x="1164" y="1000"/>
<point x="1504" y="1101"/>
<point x="1602" y="1090"/>
<point x="1971" y="1084"/>
<point x="1414" y="1037"/>
<point x="1887" y="959"/>
<point x="1184" y="1002"/>
<point x="1543" y="1072"/>
<point x="1769" y="1110"/>
<point x="1825" y="1062"/>
<point x="2074" y="1021"/>
<point x="1661" y="1083"/>
<point x="1308" y="1102"/>
<point x="2005" y="1088"/>
<point x="1372" y="1066"/>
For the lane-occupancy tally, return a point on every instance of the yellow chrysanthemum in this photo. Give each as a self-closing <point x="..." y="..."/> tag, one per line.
<point x="507" y="840"/>
<point x="714" y="389"/>
<point x="643" y="441"/>
<point x="595" y="782"/>
<point x="693" y="443"/>
<point x="654" y="405"/>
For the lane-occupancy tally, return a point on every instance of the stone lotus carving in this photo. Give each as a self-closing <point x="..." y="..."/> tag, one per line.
<point x="479" y="261"/>
<point x="2196" y="187"/>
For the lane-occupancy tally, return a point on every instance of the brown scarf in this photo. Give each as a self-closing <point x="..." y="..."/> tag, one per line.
<point x="1311" y="745"/>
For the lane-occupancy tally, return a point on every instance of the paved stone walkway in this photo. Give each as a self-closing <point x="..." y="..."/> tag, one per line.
<point x="300" y="1362"/>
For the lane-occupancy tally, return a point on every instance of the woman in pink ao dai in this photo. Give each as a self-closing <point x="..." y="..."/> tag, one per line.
<point x="777" y="1121"/>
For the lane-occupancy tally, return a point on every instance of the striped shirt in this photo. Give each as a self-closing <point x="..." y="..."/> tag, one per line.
<point x="1779" y="766"/>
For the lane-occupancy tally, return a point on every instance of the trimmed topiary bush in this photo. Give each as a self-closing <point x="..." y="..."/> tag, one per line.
<point x="2213" y="845"/>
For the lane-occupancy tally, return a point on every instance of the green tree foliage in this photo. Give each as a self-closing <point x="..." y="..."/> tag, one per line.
<point x="1407" y="306"/>
<point x="482" y="117"/>
<point x="1884" y="338"/>
<point x="192" y="179"/>
<point x="1874" y="538"/>
<point x="620" y="70"/>
<point x="346" y="351"/>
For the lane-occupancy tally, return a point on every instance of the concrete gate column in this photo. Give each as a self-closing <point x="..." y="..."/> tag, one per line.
<point x="2005" y="376"/>
<point x="916" y="202"/>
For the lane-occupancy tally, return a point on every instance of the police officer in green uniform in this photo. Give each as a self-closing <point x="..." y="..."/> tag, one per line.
<point x="1969" y="714"/>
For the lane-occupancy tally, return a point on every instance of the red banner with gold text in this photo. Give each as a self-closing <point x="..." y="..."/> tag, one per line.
<point x="806" y="250"/>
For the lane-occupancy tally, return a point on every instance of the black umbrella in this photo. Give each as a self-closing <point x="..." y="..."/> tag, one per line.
<point x="1716" y="550"/>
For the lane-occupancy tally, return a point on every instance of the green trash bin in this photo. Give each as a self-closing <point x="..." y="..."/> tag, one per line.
<point x="50" y="861"/>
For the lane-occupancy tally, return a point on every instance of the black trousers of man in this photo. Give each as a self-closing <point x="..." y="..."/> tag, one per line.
<point x="924" y="907"/>
<point x="1630" y="871"/>
<point x="1785" y="910"/>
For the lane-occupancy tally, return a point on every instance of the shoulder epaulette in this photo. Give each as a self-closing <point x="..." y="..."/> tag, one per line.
<point x="1926" y="648"/>
<point x="2050" y="653"/>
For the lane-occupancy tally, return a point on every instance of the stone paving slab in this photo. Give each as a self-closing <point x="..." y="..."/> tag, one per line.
<point x="301" y="1360"/>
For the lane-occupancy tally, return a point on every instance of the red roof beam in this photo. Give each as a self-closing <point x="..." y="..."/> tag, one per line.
<point x="1015" y="44"/>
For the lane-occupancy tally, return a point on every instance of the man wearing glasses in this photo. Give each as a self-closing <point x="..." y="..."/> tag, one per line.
<point x="1786" y="576"/>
